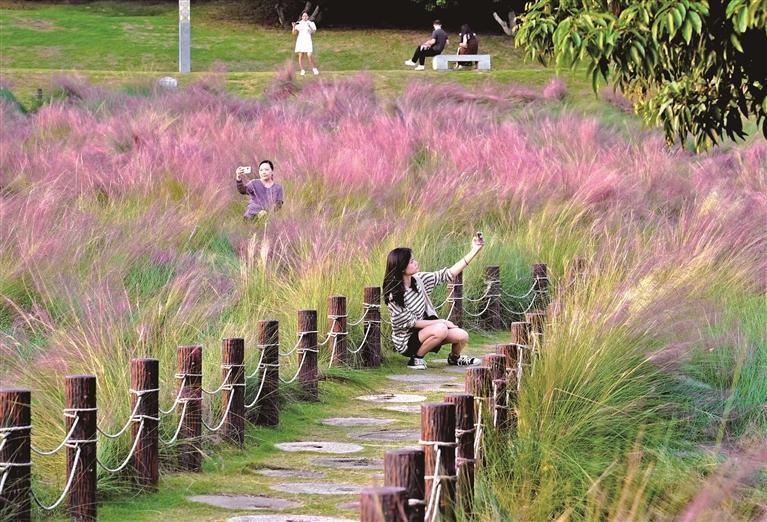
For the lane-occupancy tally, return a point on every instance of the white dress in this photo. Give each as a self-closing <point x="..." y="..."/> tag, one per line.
<point x="304" y="38"/>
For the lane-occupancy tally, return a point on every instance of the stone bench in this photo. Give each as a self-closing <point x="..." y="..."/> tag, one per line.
<point x="440" y="62"/>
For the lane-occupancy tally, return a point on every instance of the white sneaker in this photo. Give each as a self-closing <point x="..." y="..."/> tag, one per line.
<point x="420" y="68"/>
<point x="416" y="363"/>
<point x="316" y="71"/>
<point x="303" y="73"/>
<point x="411" y="63"/>
<point x="463" y="360"/>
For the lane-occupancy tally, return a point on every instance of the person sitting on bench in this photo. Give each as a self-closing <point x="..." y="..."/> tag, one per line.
<point x="431" y="47"/>
<point x="468" y="43"/>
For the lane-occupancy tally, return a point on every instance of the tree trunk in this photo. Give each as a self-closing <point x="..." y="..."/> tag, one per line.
<point x="510" y="27"/>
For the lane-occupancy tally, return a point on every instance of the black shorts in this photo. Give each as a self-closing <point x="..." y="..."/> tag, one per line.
<point x="414" y="343"/>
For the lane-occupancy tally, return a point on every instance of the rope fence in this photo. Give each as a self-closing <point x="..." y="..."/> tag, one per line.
<point x="254" y="396"/>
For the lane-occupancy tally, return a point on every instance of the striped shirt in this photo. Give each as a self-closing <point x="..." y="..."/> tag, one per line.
<point x="417" y="306"/>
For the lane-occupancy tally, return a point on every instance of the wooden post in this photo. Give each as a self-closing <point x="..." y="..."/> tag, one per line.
<point x="575" y="270"/>
<point x="497" y="364"/>
<point x="491" y="317"/>
<point x="438" y="438"/>
<point x="540" y="286"/>
<point x="308" y="373"/>
<point x="537" y="321"/>
<point x="541" y="277"/>
<point x="477" y="383"/>
<point x="145" y="386"/>
<point x="455" y="300"/>
<point x="520" y="332"/>
<point x="510" y="352"/>
<point x="80" y="392"/>
<point x="337" y="318"/>
<point x="464" y="455"/>
<point x="405" y="468"/>
<point x="268" y="408"/>
<point x="371" y="347"/>
<point x="233" y="373"/>
<point x="383" y="504"/>
<point x="16" y="454"/>
<point x="500" y="405"/>
<point x="189" y="408"/>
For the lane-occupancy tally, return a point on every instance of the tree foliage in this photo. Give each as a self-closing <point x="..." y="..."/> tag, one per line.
<point x="697" y="67"/>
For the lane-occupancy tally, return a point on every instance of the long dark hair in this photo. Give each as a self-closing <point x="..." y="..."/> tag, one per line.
<point x="396" y="263"/>
<point x="465" y="29"/>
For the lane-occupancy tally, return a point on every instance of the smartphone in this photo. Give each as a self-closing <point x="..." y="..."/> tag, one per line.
<point x="247" y="169"/>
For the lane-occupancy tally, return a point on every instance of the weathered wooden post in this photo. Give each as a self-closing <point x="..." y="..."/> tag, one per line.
<point x="491" y="316"/>
<point x="541" y="277"/>
<point x="145" y="388"/>
<point x="16" y="454"/>
<point x="510" y="353"/>
<point x="520" y="332"/>
<point x="189" y="407"/>
<point x="455" y="300"/>
<point x="405" y="468"/>
<point x="337" y="317"/>
<point x="268" y="402"/>
<point x="500" y="404"/>
<point x="308" y="372"/>
<point x="80" y="412"/>
<point x="438" y="439"/>
<point x="478" y="384"/>
<point x="371" y="346"/>
<point x="383" y="504"/>
<point x="497" y="364"/>
<point x="233" y="373"/>
<point x="575" y="270"/>
<point x="464" y="455"/>
<point x="537" y="321"/>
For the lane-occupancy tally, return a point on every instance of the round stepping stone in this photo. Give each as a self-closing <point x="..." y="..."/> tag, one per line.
<point x="420" y="377"/>
<point x="320" y="447"/>
<point x="288" y="518"/>
<point x="387" y="435"/>
<point x="448" y="387"/>
<point x="245" y="501"/>
<point x="351" y="506"/>
<point x="356" y="421"/>
<point x="316" y="488"/>
<point x="280" y="472"/>
<point x="348" y="462"/>
<point x="405" y="408"/>
<point x="392" y="397"/>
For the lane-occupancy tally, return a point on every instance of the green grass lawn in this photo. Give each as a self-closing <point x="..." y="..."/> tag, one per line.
<point x="118" y="43"/>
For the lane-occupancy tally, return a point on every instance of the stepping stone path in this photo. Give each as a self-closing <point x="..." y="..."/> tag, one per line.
<point x="299" y="479"/>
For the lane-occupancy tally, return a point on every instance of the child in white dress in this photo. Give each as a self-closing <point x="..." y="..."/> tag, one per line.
<point x="304" y="29"/>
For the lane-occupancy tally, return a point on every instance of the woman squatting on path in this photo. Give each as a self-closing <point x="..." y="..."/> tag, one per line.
<point x="416" y="329"/>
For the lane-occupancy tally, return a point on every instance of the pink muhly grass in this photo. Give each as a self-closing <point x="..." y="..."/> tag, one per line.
<point x="615" y="97"/>
<point x="555" y="89"/>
